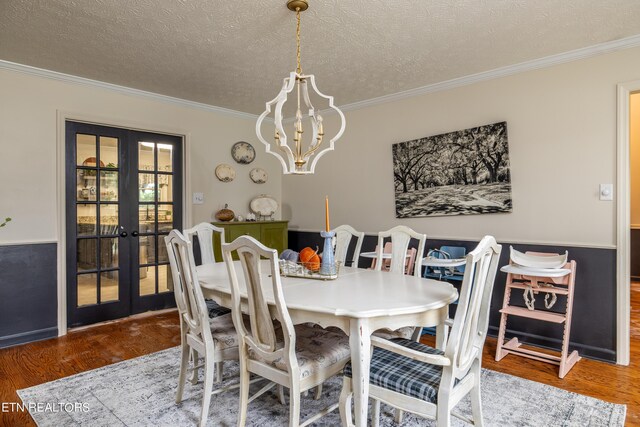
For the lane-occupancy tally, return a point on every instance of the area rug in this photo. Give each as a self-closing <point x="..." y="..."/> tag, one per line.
<point x="141" y="392"/>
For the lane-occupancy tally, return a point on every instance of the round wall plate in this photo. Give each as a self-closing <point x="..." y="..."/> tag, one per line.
<point x="258" y="175"/>
<point x="243" y="152"/>
<point x="263" y="205"/>
<point x="225" y="172"/>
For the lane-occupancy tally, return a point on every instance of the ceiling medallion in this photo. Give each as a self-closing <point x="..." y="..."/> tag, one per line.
<point x="299" y="158"/>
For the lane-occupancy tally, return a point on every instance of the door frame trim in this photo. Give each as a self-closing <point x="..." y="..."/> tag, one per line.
<point x="623" y="233"/>
<point x="61" y="117"/>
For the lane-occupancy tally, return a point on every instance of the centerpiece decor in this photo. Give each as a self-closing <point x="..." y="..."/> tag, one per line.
<point x="328" y="265"/>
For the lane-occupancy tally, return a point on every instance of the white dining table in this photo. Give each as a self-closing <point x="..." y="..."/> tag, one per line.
<point x="359" y="302"/>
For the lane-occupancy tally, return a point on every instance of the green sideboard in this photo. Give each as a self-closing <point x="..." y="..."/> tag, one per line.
<point x="273" y="234"/>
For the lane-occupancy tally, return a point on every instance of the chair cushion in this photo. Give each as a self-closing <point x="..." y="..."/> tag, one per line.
<point x="316" y="350"/>
<point x="402" y="374"/>
<point x="223" y="332"/>
<point x="388" y="334"/>
<point x="215" y="309"/>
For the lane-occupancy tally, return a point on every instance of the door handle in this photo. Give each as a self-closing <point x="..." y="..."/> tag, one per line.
<point x="134" y="233"/>
<point x="123" y="234"/>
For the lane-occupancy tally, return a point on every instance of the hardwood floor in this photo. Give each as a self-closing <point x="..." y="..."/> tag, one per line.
<point x="90" y="348"/>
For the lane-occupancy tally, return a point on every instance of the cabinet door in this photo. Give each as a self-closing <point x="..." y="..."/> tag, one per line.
<point x="232" y="232"/>
<point x="274" y="236"/>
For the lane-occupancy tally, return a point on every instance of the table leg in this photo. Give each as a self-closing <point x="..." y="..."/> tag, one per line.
<point x="441" y="335"/>
<point x="360" y="342"/>
<point x="442" y="330"/>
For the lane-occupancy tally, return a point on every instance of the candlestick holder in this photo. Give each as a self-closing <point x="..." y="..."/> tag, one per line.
<point x="328" y="266"/>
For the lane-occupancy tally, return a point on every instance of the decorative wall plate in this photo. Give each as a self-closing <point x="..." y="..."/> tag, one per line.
<point x="263" y="205"/>
<point x="258" y="175"/>
<point x="225" y="172"/>
<point x="243" y="152"/>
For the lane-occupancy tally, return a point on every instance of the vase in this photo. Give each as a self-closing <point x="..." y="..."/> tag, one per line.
<point x="328" y="265"/>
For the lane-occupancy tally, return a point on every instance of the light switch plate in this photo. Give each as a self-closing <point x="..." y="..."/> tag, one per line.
<point x="198" y="198"/>
<point x="606" y="192"/>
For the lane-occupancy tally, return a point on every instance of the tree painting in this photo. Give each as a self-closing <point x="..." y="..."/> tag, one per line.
<point x="456" y="173"/>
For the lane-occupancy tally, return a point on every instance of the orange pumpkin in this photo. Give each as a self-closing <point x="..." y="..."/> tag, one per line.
<point x="310" y="259"/>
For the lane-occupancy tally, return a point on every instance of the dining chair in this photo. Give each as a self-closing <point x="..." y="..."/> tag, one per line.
<point x="344" y="236"/>
<point x="400" y="237"/>
<point x="204" y="232"/>
<point x="399" y="248"/>
<point x="213" y="338"/>
<point x="298" y="357"/>
<point x="410" y="259"/>
<point x="430" y="382"/>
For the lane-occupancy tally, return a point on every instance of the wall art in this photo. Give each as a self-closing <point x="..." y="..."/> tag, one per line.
<point x="457" y="173"/>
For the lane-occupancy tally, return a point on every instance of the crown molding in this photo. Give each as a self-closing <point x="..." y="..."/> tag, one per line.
<point x="548" y="61"/>
<point x="82" y="81"/>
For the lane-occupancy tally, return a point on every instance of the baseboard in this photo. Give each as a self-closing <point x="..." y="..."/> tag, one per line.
<point x="25" y="337"/>
<point x="591" y="352"/>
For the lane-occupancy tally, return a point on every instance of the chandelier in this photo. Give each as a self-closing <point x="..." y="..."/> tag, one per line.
<point x="299" y="158"/>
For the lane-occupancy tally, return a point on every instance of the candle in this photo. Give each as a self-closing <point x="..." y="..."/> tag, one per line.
<point x="326" y="211"/>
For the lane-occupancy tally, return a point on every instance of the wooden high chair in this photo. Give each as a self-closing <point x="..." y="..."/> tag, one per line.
<point x="551" y="282"/>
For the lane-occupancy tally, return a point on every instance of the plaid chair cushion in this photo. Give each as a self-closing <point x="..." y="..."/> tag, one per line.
<point x="216" y="310"/>
<point x="404" y="375"/>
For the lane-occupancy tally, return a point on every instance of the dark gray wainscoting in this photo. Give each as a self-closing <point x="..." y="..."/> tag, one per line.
<point x="28" y="293"/>
<point x="635" y="254"/>
<point x="593" y="329"/>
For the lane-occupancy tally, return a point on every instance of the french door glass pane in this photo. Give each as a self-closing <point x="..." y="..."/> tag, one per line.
<point x="87" y="289"/>
<point x="165" y="157"/>
<point x="146" y="156"/>
<point x="108" y="186"/>
<point x="165" y="187"/>
<point x="147" y="218"/>
<point x="109" y="286"/>
<point x="108" y="253"/>
<point x="147" y="280"/>
<point x="165" y="218"/>
<point x="86" y="185"/>
<point x="109" y="152"/>
<point x="87" y="254"/>
<point x="146" y="187"/>
<point x="85" y="148"/>
<point x="162" y="251"/>
<point x="108" y="218"/>
<point x="147" y="250"/>
<point x="165" y="281"/>
<point x="86" y="220"/>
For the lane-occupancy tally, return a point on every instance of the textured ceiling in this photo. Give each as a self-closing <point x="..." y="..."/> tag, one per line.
<point x="235" y="54"/>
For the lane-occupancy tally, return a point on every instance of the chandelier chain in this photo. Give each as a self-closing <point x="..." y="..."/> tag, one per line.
<point x="299" y="68"/>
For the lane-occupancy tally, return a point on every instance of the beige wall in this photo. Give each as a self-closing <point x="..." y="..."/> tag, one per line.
<point x="28" y="123"/>
<point x="562" y="138"/>
<point x="634" y="152"/>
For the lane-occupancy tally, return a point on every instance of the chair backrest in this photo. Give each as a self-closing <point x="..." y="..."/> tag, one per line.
<point x="344" y="235"/>
<point x="261" y="338"/>
<point x="472" y="315"/>
<point x="204" y="232"/>
<point x="189" y="299"/>
<point x="400" y="237"/>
